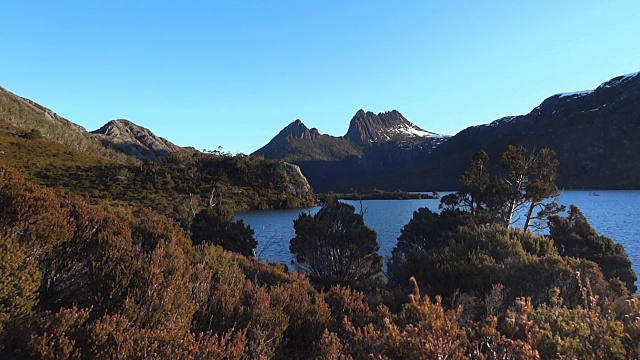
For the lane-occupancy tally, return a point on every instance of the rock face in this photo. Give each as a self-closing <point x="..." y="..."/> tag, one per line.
<point x="367" y="127"/>
<point x="298" y="130"/>
<point x="295" y="181"/>
<point x="131" y="139"/>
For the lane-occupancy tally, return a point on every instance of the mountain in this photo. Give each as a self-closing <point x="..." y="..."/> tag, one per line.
<point x="25" y="114"/>
<point x="105" y="168"/>
<point x="131" y="139"/>
<point x="375" y="148"/>
<point x="296" y="142"/>
<point x="595" y="133"/>
<point x="367" y="127"/>
<point x="121" y="140"/>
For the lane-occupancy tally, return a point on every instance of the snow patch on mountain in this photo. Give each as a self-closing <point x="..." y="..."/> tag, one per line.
<point x="576" y="94"/>
<point x="412" y="131"/>
<point x="502" y="120"/>
<point x="618" y="80"/>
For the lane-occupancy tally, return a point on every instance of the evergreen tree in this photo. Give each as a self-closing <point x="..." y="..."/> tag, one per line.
<point x="527" y="183"/>
<point x="335" y="244"/>
<point x="216" y="226"/>
<point x="574" y="236"/>
<point x="426" y="231"/>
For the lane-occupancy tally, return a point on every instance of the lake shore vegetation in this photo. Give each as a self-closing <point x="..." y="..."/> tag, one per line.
<point x="78" y="281"/>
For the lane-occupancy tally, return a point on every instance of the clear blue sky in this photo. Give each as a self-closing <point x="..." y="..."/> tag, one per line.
<point x="234" y="73"/>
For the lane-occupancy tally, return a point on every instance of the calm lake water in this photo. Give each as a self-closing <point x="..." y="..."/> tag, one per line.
<point x="613" y="213"/>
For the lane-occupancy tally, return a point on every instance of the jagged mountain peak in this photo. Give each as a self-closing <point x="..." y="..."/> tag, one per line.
<point x="298" y="130"/>
<point x="368" y="127"/>
<point x="297" y="142"/>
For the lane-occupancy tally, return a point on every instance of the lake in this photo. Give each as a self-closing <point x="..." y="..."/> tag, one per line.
<point x="613" y="213"/>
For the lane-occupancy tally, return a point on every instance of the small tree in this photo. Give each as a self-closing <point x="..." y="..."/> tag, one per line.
<point x="526" y="183"/>
<point x="335" y="244"/>
<point x="216" y="226"/>
<point x="575" y="237"/>
<point x="529" y="180"/>
<point x="425" y="232"/>
<point x="542" y="192"/>
<point x="473" y="182"/>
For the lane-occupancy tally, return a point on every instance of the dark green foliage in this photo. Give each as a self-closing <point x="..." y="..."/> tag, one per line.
<point x="175" y="187"/>
<point x="470" y="246"/>
<point x="477" y="258"/>
<point x="575" y="237"/>
<point x="425" y="231"/>
<point x="335" y="244"/>
<point x="525" y="184"/>
<point x="215" y="226"/>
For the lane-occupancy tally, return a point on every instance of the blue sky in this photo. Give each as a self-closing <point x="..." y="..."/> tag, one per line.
<point x="234" y="73"/>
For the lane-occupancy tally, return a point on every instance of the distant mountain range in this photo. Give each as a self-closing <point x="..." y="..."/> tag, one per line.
<point x="375" y="148"/>
<point x="298" y="143"/>
<point x="596" y="134"/>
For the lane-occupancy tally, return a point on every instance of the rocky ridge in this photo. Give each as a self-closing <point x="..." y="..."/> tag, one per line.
<point x="297" y="143"/>
<point x="367" y="127"/>
<point x="131" y="139"/>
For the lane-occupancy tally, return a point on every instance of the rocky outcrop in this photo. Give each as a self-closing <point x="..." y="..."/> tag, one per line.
<point x="367" y="127"/>
<point x="131" y="139"/>
<point x="295" y="182"/>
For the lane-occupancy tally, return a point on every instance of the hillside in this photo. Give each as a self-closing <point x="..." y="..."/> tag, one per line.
<point x="131" y="139"/>
<point x="596" y="134"/>
<point x="296" y="142"/>
<point x="55" y="152"/>
<point x="27" y="115"/>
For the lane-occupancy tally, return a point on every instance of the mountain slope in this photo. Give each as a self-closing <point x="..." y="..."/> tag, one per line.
<point x="131" y="139"/>
<point x="55" y="152"/>
<point x="25" y="114"/>
<point x="596" y="134"/>
<point x="296" y="142"/>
